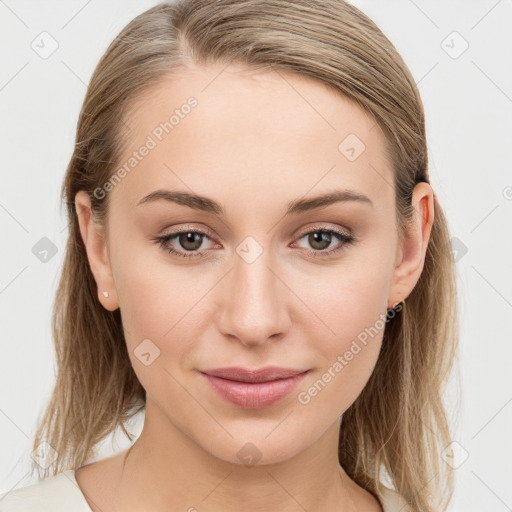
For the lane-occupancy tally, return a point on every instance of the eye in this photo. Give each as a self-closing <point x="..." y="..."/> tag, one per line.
<point x="321" y="238"/>
<point x="188" y="239"/>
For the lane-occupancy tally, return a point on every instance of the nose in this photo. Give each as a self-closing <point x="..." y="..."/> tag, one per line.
<point x="253" y="302"/>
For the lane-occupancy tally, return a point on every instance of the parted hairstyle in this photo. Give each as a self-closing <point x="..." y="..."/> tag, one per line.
<point x="397" y="428"/>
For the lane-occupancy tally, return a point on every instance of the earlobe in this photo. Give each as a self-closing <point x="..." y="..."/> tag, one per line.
<point x="93" y="237"/>
<point x="414" y="245"/>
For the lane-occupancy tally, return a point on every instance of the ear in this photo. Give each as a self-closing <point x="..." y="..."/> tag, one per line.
<point x="94" y="240"/>
<point x="411" y="253"/>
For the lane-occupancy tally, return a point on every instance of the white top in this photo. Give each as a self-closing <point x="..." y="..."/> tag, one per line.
<point x="61" y="493"/>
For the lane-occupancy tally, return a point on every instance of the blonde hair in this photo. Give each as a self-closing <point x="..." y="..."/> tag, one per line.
<point x="398" y="424"/>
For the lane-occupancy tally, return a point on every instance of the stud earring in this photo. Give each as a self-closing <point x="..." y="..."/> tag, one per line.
<point x="401" y="303"/>
<point x="105" y="294"/>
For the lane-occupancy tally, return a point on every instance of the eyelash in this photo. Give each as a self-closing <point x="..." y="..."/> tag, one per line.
<point x="342" y="237"/>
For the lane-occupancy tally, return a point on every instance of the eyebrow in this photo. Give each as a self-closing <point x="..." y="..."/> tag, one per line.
<point x="206" y="204"/>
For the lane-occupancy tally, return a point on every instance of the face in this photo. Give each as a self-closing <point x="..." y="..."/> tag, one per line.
<point x="255" y="273"/>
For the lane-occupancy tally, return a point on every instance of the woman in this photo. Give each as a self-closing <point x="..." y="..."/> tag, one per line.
<point x="257" y="260"/>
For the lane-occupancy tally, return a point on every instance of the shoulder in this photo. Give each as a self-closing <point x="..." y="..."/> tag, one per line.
<point x="58" y="493"/>
<point x="392" y="501"/>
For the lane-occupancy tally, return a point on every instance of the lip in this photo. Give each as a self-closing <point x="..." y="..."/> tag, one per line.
<point x="254" y="389"/>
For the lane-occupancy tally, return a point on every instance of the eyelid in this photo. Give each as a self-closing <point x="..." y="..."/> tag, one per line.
<point x="186" y="228"/>
<point x="326" y="227"/>
<point x="345" y="237"/>
<point x="305" y="231"/>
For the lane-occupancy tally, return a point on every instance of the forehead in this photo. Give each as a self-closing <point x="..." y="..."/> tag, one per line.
<point x="216" y="129"/>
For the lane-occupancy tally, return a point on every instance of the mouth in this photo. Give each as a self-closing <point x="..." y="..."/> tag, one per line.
<point x="267" y="374"/>
<point x="254" y="389"/>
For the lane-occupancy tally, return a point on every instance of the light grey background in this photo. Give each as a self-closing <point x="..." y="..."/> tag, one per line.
<point x="467" y="94"/>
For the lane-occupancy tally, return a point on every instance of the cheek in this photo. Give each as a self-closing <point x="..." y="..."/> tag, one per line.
<point x="348" y="359"/>
<point x="156" y="295"/>
<point x="163" y="310"/>
<point x="351" y="304"/>
<point x="343" y="300"/>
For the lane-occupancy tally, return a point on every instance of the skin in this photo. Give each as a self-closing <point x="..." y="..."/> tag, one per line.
<point x="256" y="141"/>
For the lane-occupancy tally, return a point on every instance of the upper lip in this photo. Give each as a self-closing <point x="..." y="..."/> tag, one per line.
<point x="239" y="374"/>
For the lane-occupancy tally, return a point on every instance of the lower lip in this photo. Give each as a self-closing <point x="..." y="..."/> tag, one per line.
<point x="257" y="395"/>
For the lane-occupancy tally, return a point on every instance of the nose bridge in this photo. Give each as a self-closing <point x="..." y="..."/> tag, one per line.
<point x="253" y="305"/>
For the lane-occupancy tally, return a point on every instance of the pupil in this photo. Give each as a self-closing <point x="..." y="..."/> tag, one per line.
<point x="319" y="237"/>
<point x="190" y="238"/>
